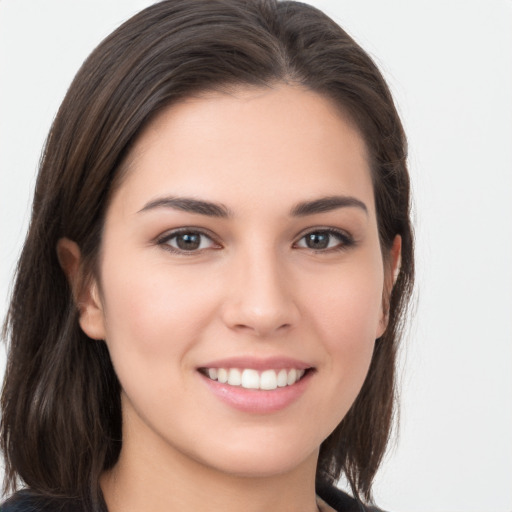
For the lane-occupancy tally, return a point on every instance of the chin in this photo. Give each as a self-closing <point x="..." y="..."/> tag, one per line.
<point x="260" y="459"/>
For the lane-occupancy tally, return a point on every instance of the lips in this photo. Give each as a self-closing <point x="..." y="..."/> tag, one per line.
<point x="257" y="385"/>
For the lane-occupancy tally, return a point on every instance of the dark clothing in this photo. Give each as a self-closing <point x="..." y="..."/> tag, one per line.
<point x="340" y="501"/>
<point x="28" y="501"/>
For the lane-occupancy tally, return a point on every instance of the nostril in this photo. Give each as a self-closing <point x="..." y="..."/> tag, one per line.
<point x="261" y="329"/>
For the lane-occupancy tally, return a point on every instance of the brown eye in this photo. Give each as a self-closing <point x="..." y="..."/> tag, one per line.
<point x="187" y="241"/>
<point x="317" y="240"/>
<point x="324" y="240"/>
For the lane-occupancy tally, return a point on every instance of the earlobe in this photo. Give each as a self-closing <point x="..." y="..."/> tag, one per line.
<point x="85" y="290"/>
<point x="391" y="272"/>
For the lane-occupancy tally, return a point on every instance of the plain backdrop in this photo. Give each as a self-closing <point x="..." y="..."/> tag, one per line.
<point x="449" y="64"/>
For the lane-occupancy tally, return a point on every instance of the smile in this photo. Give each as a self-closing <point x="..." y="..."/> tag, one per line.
<point x="249" y="378"/>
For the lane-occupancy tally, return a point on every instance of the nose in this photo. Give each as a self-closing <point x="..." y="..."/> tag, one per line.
<point x="260" y="297"/>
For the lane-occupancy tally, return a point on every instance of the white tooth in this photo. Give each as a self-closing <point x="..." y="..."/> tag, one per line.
<point x="250" y="379"/>
<point x="292" y="377"/>
<point x="212" y="373"/>
<point x="234" y="377"/>
<point x="282" y="378"/>
<point x="222" y="375"/>
<point x="300" y="374"/>
<point x="268" y="380"/>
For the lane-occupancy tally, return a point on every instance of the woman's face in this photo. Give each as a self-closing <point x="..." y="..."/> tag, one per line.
<point x="242" y="245"/>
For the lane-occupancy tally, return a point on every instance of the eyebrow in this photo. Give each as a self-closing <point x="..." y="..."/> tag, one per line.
<point x="210" y="209"/>
<point x="190" y="205"/>
<point x="327" y="204"/>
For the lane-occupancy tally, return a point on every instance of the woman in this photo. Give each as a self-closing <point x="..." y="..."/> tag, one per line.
<point x="208" y="304"/>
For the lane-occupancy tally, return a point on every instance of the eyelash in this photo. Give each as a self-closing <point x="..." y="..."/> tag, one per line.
<point x="345" y="241"/>
<point x="165" y="239"/>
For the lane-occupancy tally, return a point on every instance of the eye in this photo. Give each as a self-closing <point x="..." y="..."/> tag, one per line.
<point x="187" y="241"/>
<point x="325" y="239"/>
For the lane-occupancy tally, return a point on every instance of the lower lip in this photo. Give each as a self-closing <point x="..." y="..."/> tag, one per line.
<point x="258" y="401"/>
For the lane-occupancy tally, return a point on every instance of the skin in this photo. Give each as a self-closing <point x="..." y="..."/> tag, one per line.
<point x="254" y="288"/>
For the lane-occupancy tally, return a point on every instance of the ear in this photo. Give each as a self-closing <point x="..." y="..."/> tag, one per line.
<point x="85" y="290"/>
<point x="391" y="271"/>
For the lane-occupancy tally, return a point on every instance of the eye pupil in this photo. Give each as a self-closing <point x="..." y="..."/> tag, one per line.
<point x="317" y="240"/>
<point x="188" y="241"/>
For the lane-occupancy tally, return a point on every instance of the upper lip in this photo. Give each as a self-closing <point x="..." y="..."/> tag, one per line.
<point x="268" y="363"/>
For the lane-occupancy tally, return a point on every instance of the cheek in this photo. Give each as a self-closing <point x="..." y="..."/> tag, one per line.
<point x="152" y="314"/>
<point x="347" y="312"/>
<point x="348" y="306"/>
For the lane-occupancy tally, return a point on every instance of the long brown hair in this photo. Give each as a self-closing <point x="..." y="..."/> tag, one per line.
<point x="61" y="411"/>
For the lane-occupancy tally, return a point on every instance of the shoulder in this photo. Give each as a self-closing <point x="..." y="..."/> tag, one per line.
<point x="23" y="501"/>
<point x="29" y="501"/>
<point x="341" y="501"/>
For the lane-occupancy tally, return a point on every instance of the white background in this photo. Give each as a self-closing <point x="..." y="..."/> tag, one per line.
<point x="449" y="63"/>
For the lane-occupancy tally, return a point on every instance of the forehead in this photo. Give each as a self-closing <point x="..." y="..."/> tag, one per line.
<point x="259" y="143"/>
